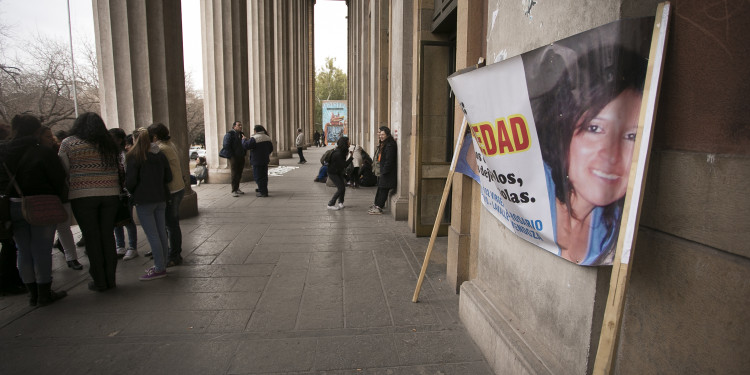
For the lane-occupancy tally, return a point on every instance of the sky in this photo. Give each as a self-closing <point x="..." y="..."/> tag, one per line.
<point x="24" y="19"/>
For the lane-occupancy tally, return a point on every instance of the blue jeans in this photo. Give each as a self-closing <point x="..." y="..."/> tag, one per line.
<point x="173" y="225"/>
<point x="153" y="222"/>
<point x="260" y="174"/>
<point x="132" y="234"/>
<point x="34" y="244"/>
<point x="96" y="218"/>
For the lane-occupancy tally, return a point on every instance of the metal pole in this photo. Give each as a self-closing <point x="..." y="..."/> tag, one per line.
<point x="72" y="62"/>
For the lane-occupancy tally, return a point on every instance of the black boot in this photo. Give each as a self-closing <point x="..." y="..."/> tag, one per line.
<point x="47" y="295"/>
<point x="33" y="294"/>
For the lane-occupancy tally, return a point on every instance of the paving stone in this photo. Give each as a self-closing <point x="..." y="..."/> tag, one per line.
<point x="273" y="285"/>
<point x="364" y="302"/>
<point x="355" y="352"/>
<point x="272" y="356"/>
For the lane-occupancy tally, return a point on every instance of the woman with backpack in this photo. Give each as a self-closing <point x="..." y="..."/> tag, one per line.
<point x="336" y="167"/>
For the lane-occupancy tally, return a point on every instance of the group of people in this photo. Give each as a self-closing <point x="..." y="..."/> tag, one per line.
<point x="91" y="169"/>
<point x="385" y="167"/>
<point x="234" y="148"/>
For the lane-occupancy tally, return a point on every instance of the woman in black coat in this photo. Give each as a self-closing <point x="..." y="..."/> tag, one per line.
<point x="38" y="171"/>
<point x="336" y="172"/>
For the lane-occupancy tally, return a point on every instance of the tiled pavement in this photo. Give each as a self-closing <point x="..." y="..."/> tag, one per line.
<point x="269" y="285"/>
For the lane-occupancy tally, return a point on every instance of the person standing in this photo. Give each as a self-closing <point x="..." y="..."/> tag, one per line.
<point x="300" y="142"/>
<point x="160" y="135"/>
<point x="34" y="170"/>
<point x="316" y="138"/>
<point x="91" y="158"/>
<point x="336" y="173"/>
<point x="131" y="252"/>
<point x="387" y="155"/>
<point x="147" y="175"/>
<point x="233" y="150"/>
<point x="260" y="147"/>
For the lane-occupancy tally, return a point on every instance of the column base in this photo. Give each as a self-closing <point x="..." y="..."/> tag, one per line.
<point x="189" y="204"/>
<point x="400" y="209"/>
<point x="284" y="154"/>
<point x="459" y="247"/>
<point x="224" y="176"/>
<point x="493" y="332"/>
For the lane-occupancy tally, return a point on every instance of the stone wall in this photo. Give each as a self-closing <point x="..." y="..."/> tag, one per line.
<point x="532" y="312"/>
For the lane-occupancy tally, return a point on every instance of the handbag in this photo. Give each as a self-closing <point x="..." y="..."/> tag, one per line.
<point x="6" y="225"/>
<point x="43" y="209"/>
<point x="123" y="217"/>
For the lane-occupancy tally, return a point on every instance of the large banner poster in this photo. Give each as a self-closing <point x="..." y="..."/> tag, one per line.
<point x="334" y="120"/>
<point x="553" y="132"/>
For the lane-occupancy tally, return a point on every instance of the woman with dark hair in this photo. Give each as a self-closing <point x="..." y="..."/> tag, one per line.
<point x="587" y="124"/>
<point x="147" y="176"/>
<point x="336" y="173"/>
<point x="65" y="242"/>
<point x="10" y="280"/>
<point x="37" y="171"/>
<point x="91" y="158"/>
<point x="131" y="252"/>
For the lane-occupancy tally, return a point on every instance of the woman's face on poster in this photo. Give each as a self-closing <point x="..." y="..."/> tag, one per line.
<point x="601" y="151"/>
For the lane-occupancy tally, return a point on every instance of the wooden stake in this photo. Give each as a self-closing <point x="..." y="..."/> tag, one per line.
<point x="630" y="219"/>
<point x="441" y="209"/>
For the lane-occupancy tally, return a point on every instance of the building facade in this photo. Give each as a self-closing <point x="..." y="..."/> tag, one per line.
<point x="530" y="311"/>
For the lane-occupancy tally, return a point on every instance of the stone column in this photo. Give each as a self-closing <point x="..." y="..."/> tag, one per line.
<point x="141" y="72"/>
<point x="279" y="62"/>
<point x="464" y="228"/>
<point x="225" y="78"/>
<point x="399" y="49"/>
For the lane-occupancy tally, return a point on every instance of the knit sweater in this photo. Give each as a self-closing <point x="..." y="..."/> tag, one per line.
<point x="88" y="175"/>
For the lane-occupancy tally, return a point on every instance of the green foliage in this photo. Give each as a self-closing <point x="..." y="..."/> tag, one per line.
<point x="330" y="84"/>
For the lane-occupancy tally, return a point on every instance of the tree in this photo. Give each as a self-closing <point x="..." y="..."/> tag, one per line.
<point x="330" y="84"/>
<point x="43" y="84"/>
<point x="194" y="111"/>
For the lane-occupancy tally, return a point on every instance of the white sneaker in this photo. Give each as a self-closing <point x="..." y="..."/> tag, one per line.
<point x="130" y="254"/>
<point x="121" y="251"/>
<point x="235" y="194"/>
<point x="341" y="205"/>
<point x="239" y="191"/>
<point x="333" y="208"/>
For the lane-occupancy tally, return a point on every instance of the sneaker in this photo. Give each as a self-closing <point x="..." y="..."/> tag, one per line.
<point x="341" y="205"/>
<point x="149" y="254"/>
<point x="130" y="254"/>
<point x="238" y="191"/>
<point x="333" y="208"/>
<point x="121" y="252"/>
<point x="153" y="274"/>
<point x="375" y="210"/>
<point x="235" y="194"/>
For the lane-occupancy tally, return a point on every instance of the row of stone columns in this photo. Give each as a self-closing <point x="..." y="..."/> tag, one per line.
<point x="256" y="70"/>
<point x="141" y="71"/>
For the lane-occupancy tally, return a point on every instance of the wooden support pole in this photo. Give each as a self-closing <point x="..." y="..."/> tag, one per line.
<point x="441" y="209"/>
<point x="638" y="169"/>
